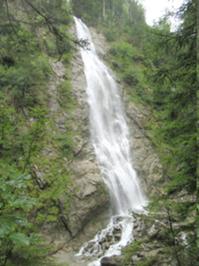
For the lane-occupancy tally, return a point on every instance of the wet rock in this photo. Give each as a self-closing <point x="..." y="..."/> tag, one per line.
<point x="151" y="253"/>
<point x="101" y="44"/>
<point x="117" y="237"/>
<point x="153" y="231"/>
<point x="38" y="176"/>
<point x="135" y="259"/>
<point x="111" y="261"/>
<point x="146" y="161"/>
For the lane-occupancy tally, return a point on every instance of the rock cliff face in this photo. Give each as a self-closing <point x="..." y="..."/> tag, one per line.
<point x="145" y="160"/>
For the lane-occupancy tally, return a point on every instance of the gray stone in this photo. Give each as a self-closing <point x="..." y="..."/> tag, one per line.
<point x="111" y="261"/>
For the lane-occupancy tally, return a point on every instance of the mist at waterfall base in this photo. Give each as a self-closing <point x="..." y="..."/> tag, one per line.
<point x="110" y="139"/>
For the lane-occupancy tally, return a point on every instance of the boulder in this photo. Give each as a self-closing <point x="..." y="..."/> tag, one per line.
<point x="111" y="261"/>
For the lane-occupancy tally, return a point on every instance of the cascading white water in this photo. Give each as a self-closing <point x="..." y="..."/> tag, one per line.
<point x="110" y="138"/>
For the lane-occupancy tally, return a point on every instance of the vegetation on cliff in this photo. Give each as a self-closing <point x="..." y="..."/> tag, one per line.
<point x="33" y="33"/>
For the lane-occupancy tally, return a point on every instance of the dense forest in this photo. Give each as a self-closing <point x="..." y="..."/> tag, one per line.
<point x="158" y="68"/>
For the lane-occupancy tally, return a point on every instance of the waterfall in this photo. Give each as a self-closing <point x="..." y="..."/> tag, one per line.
<point x="110" y="139"/>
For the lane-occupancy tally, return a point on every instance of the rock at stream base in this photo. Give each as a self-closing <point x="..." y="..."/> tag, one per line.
<point x="111" y="261"/>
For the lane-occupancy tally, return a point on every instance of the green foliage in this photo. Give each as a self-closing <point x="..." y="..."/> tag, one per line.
<point x="66" y="98"/>
<point x="174" y="81"/>
<point x="129" y="63"/>
<point x="115" y="16"/>
<point x="31" y="135"/>
<point x="148" y="262"/>
<point x="67" y="145"/>
<point x="31" y="31"/>
<point x="67" y="103"/>
<point x="129" y="251"/>
<point x="23" y="75"/>
<point x="88" y="10"/>
<point x="6" y="123"/>
<point x="164" y="76"/>
<point x="51" y="181"/>
<point x="19" y="141"/>
<point x="16" y="232"/>
<point x="197" y="226"/>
